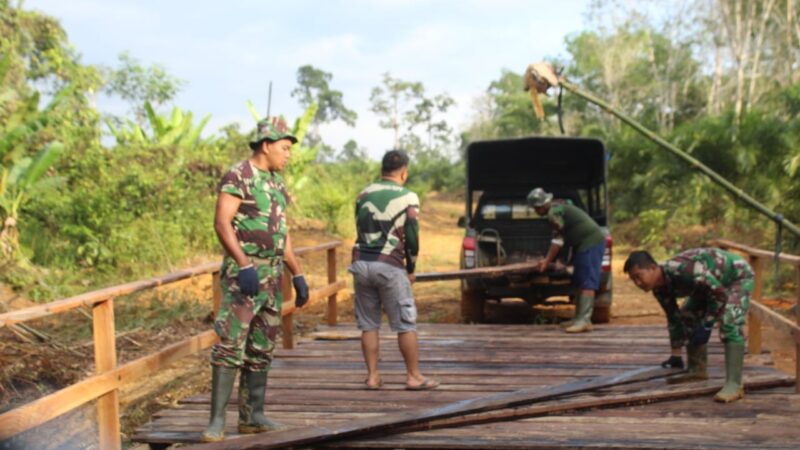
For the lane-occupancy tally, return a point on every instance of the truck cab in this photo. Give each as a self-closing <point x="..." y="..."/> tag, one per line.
<point x="502" y="229"/>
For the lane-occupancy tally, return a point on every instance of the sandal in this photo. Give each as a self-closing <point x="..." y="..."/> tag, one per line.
<point x="427" y="384"/>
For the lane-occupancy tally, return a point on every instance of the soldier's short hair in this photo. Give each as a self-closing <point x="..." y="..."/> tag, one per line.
<point x="394" y="160"/>
<point x="639" y="259"/>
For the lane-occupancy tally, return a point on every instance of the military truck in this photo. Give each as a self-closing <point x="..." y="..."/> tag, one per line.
<point x="502" y="229"/>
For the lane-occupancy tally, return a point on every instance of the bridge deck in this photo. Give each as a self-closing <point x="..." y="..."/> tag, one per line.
<point x="321" y="383"/>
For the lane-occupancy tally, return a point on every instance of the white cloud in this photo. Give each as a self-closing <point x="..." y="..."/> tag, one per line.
<point x="111" y="15"/>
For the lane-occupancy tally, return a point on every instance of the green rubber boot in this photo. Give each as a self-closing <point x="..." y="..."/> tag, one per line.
<point x="734" y="360"/>
<point x="252" y="387"/>
<point x="698" y="365"/>
<point x="222" y="379"/>
<point x="583" y="315"/>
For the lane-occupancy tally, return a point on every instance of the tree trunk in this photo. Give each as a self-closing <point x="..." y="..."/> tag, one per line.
<point x="765" y="15"/>
<point x="739" y="36"/>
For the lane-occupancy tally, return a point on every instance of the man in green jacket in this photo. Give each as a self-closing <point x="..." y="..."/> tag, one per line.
<point x="384" y="260"/>
<point x="574" y="228"/>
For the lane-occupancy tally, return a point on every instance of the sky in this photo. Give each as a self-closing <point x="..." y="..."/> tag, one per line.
<point x="228" y="52"/>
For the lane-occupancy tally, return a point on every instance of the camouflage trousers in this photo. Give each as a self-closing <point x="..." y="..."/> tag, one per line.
<point x="703" y="310"/>
<point x="248" y="326"/>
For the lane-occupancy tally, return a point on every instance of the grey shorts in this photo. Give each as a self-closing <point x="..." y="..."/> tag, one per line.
<point x="379" y="286"/>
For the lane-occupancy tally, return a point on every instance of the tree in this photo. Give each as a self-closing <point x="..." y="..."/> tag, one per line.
<point x="352" y="152"/>
<point x="37" y="58"/>
<point x="314" y="88"/>
<point x="428" y="114"/>
<point x="140" y="85"/>
<point x="395" y="102"/>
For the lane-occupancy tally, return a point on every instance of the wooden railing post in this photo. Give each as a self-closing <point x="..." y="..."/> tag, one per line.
<point x="216" y="291"/>
<point x="797" y="320"/>
<point x="286" y="321"/>
<point x="332" y="314"/>
<point x="105" y="359"/>
<point x="753" y="321"/>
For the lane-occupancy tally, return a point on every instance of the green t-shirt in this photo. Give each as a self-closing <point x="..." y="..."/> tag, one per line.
<point x="572" y="224"/>
<point x="387" y="225"/>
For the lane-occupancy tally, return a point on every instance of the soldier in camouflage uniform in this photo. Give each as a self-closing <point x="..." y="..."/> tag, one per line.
<point x="384" y="259"/>
<point x="571" y="226"/>
<point x="250" y="222"/>
<point x="718" y="285"/>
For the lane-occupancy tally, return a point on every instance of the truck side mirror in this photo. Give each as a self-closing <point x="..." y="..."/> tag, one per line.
<point x="462" y="222"/>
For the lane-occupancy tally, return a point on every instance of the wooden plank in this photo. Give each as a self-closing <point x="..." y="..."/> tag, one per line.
<point x="726" y="244"/>
<point x="49" y="407"/>
<point x="590" y="402"/>
<point x="753" y="320"/>
<point x="314" y="295"/>
<point x="90" y="298"/>
<point x="317" y="248"/>
<point x="318" y="434"/>
<point x="105" y="360"/>
<point x="480" y="272"/>
<point x="287" y="320"/>
<point x="797" y="320"/>
<point x="332" y="314"/>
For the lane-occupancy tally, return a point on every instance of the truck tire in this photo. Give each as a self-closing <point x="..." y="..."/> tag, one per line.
<point x="472" y="303"/>
<point x="601" y="314"/>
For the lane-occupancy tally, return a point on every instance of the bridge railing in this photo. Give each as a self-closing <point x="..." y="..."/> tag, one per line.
<point x="109" y="378"/>
<point x="759" y="314"/>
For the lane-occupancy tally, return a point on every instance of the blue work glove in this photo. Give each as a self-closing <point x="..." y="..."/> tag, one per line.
<point x="674" y="362"/>
<point x="248" y="281"/>
<point x="701" y="334"/>
<point x="301" y="290"/>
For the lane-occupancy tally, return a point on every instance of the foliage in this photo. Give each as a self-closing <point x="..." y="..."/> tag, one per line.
<point x="140" y="85"/>
<point x="737" y="119"/>
<point x="394" y="101"/>
<point x="314" y="87"/>
<point x="331" y="198"/>
<point x="175" y="130"/>
<point x="88" y="214"/>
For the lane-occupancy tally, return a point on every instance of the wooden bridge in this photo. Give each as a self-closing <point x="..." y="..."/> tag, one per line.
<point x="503" y="387"/>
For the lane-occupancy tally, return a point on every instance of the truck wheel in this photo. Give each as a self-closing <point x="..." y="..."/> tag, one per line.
<point x="601" y="314"/>
<point x="472" y="303"/>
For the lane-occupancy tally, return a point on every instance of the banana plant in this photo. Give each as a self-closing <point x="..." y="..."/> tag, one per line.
<point x="176" y="130"/>
<point x="16" y="184"/>
<point x="21" y="173"/>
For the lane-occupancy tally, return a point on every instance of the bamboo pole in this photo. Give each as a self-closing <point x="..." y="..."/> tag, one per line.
<point x="696" y="164"/>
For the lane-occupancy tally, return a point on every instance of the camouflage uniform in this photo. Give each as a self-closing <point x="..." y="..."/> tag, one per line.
<point x="718" y="285"/>
<point x="248" y="326"/>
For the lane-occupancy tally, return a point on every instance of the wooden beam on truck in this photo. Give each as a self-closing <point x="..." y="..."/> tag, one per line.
<point x="319" y="434"/>
<point x="483" y="272"/>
